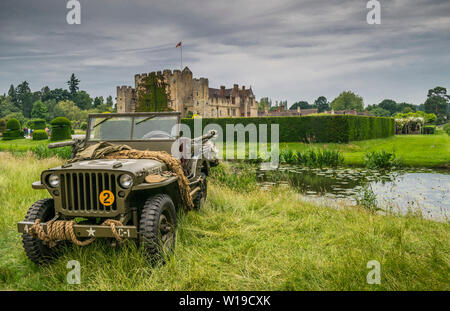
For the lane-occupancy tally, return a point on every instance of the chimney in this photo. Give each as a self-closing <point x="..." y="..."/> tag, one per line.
<point x="236" y="87"/>
<point x="222" y="91"/>
<point x="244" y="93"/>
<point x="282" y="108"/>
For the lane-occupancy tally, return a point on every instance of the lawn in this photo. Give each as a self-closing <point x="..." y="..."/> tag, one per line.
<point x="244" y="239"/>
<point x="414" y="150"/>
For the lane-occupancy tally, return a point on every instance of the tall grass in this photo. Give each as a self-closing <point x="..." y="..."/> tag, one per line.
<point x="244" y="239"/>
<point x="381" y="160"/>
<point x="312" y="157"/>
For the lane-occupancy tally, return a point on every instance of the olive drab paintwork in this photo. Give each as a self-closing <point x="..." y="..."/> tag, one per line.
<point x="94" y="189"/>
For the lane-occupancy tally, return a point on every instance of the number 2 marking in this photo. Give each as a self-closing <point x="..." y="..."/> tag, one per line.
<point x="106" y="197"/>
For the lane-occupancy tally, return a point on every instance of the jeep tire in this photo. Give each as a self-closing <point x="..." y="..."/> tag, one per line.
<point x="157" y="227"/>
<point x="35" y="249"/>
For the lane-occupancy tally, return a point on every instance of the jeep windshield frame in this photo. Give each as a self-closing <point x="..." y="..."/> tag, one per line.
<point x="134" y="127"/>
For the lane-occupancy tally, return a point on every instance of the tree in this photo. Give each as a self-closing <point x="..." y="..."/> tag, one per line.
<point x="263" y="103"/>
<point x="7" y="107"/>
<point x="73" y="85"/>
<point x="24" y="98"/>
<point x="389" y="105"/>
<point x="380" y="112"/>
<point x="13" y="96"/>
<point x="303" y="105"/>
<point x="98" y="101"/>
<point x="348" y="100"/>
<point x="56" y="94"/>
<point x="152" y="94"/>
<point x="109" y="101"/>
<point x="83" y="100"/>
<point x="40" y="111"/>
<point x="321" y="103"/>
<point x="437" y="103"/>
<point x="69" y="110"/>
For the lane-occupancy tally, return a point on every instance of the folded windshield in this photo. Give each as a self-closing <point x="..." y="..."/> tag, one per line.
<point x="150" y="127"/>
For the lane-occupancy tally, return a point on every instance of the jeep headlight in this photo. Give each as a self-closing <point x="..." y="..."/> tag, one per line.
<point x="126" y="181"/>
<point x="53" y="180"/>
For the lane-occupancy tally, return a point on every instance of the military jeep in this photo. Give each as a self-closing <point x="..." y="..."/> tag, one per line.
<point x="118" y="198"/>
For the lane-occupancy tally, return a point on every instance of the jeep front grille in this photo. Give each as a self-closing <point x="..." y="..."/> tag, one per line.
<point x="80" y="192"/>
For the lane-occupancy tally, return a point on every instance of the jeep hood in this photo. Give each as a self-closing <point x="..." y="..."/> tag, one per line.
<point x="135" y="166"/>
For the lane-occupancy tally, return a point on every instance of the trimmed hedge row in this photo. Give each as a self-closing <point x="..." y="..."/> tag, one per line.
<point x="325" y="128"/>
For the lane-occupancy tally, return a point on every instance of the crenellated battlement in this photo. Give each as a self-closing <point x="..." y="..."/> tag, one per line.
<point x="193" y="95"/>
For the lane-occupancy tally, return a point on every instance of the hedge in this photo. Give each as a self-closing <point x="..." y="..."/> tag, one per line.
<point x="429" y="129"/>
<point x="38" y="124"/>
<point x="61" y="129"/>
<point x="324" y="128"/>
<point x="13" y="130"/>
<point x="40" y="135"/>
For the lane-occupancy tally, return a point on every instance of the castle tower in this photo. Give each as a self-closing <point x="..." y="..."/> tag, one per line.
<point x="125" y="99"/>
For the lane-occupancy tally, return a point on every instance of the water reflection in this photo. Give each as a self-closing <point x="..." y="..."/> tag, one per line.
<point x="425" y="190"/>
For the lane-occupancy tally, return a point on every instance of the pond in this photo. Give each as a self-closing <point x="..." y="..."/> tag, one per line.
<point x="420" y="190"/>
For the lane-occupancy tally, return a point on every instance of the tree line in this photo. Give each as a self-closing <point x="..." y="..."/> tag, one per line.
<point x="438" y="103"/>
<point x="23" y="104"/>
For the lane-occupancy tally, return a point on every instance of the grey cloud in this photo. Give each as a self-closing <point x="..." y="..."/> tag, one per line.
<point x="285" y="49"/>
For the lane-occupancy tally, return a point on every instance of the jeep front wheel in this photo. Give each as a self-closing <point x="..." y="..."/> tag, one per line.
<point x="157" y="226"/>
<point x="35" y="249"/>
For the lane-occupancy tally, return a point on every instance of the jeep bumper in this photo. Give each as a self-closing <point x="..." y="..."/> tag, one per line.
<point x="88" y="231"/>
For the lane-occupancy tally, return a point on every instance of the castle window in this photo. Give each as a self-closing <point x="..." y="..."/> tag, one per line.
<point x="234" y="112"/>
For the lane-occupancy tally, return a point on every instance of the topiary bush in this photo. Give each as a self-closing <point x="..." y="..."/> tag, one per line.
<point x="61" y="129"/>
<point x="40" y="135"/>
<point x="38" y="124"/>
<point x="13" y="130"/>
<point x="84" y="126"/>
<point x="429" y="129"/>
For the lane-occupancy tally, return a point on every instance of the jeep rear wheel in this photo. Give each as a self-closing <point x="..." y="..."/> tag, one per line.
<point x="157" y="226"/>
<point x="200" y="198"/>
<point x="35" y="249"/>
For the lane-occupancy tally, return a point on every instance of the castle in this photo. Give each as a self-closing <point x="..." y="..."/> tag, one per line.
<point x="194" y="96"/>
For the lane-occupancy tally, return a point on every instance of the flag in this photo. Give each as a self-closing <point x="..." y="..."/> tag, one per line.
<point x="179" y="44"/>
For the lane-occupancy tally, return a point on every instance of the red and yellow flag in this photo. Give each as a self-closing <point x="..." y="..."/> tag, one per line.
<point x="179" y="44"/>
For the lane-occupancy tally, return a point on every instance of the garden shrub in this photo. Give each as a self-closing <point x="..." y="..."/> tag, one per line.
<point x="38" y="124"/>
<point x="313" y="128"/>
<point x="2" y="125"/>
<point x="429" y="129"/>
<point x="61" y="129"/>
<point x="84" y="126"/>
<point x="447" y="128"/>
<point x="40" y="135"/>
<point x="13" y="130"/>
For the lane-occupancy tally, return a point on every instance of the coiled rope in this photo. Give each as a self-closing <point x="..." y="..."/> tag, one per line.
<point x="59" y="230"/>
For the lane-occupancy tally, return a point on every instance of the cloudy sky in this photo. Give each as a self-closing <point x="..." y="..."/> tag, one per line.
<point x="285" y="49"/>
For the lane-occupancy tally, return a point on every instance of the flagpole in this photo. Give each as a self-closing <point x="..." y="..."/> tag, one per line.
<point x="181" y="46"/>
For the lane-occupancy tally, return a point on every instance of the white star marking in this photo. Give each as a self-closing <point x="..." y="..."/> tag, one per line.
<point x="91" y="231"/>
